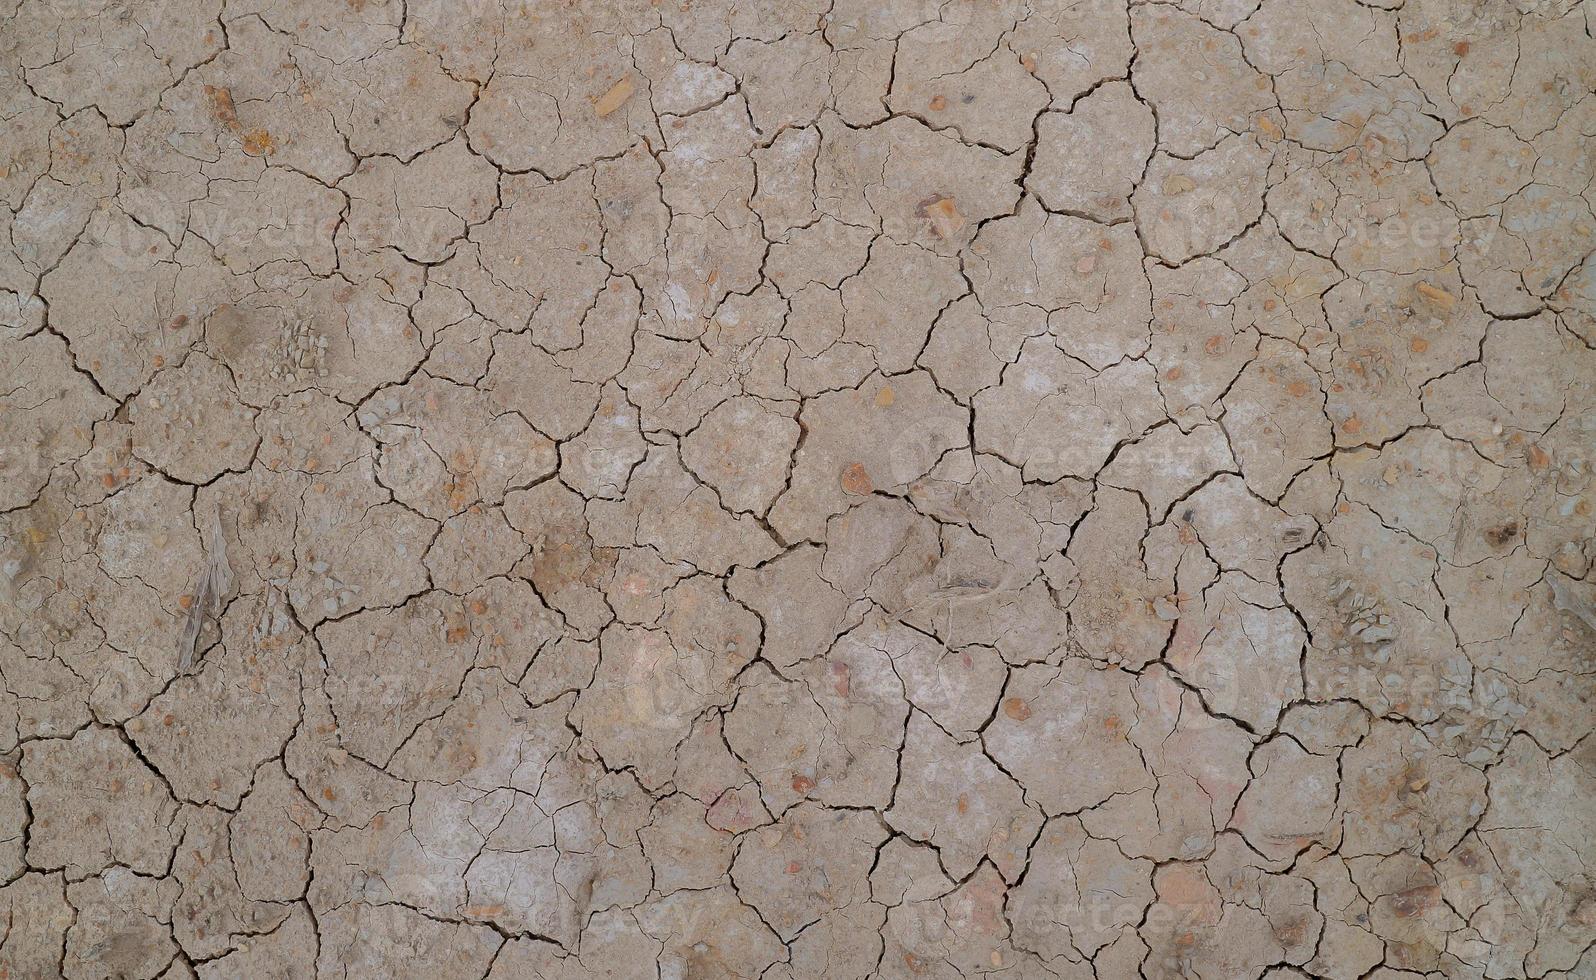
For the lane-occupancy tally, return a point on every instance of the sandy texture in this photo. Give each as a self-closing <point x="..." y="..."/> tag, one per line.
<point x="1081" y="489"/>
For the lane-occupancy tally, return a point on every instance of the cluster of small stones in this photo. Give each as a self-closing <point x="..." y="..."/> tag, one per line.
<point x="304" y="351"/>
<point x="1080" y="489"/>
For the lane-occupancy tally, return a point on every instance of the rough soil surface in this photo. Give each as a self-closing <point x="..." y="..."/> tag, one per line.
<point x="1080" y="489"/>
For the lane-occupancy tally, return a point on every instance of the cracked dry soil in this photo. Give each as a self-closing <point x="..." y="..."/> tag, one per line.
<point x="1080" y="489"/>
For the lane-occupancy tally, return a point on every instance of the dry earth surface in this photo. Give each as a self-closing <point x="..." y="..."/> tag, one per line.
<point x="797" y="488"/>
